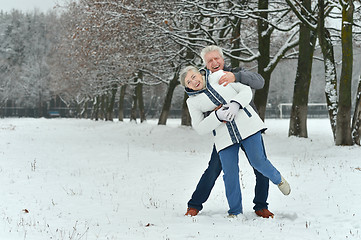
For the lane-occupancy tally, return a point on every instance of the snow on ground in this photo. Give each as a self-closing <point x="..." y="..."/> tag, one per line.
<point x="81" y="179"/>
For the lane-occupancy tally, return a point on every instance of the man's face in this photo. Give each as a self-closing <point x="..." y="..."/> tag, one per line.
<point x="214" y="61"/>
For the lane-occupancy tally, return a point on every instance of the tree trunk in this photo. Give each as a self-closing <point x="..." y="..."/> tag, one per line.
<point x="121" y="103"/>
<point x="236" y="42"/>
<point x="78" y="108"/>
<point x="102" y="107"/>
<point x="264" y="41"/>
<point x="84" y="112"/>
<point x="133" y="112"/>
<point x="105" y="99"/>
<point x="110" y="107"/>
<point x="343" y="128"/>
<point x="139" y="90"/>
<point x="186" y="118"/>
<point x="356" y="120"/>
<point x="168" y="99"/>
<point x="298" y="119"/>
<point x="95" y="112"/>
<point x="330" y="67"/>
<point x="40" y="105"/>
<point x="190" y="56"/>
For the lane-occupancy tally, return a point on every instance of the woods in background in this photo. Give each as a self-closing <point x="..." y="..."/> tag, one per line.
<point x="100" y="56"/>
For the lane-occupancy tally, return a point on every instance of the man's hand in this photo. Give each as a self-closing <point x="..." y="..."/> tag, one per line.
<point x="228" y="77"/>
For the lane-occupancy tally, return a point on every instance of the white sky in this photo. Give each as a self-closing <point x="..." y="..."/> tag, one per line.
<point x="28" y="5"/>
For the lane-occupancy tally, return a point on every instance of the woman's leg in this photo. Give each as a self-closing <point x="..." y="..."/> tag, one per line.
<point x="254" y="148"/>
<point x="229" y="161"/>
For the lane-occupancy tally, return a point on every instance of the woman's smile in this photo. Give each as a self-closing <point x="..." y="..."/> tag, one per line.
<point x="194" y="80"/>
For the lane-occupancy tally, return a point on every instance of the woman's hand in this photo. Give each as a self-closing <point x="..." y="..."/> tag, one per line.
<point x="232" y="111"/>
<point x="221" y="114"/>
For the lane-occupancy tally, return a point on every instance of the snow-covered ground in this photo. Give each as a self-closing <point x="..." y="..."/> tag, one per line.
<point x="81" y="179"/>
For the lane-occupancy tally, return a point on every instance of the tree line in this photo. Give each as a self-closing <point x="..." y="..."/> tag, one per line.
<point x="92" y="52"/>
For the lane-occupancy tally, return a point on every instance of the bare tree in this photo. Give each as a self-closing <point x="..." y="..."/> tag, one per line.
<point x="307" y="40"/>
<point x="356" y="120"/>
<point x="315" y="22"/>
<point x="343" y="128"/>
<point x="231" y="25"/>
<point x="326" y="45"/>
<point x="112" y="44"/>
<point x="268" y="19"/>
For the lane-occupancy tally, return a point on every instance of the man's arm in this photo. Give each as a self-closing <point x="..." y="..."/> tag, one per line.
<point x="254" y="80"/>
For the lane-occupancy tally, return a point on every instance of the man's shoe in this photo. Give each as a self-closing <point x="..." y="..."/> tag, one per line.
<point x="192" y="212"/>
<point x="265" y="213"/>
<point x="284" y="187"/>
<point x="231" y="216"/>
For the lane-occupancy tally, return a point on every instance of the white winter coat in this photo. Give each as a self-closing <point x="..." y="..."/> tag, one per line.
<point x="246" y="123"/>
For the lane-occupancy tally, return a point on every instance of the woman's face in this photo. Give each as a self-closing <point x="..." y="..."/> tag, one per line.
<point x="194" y="80"/>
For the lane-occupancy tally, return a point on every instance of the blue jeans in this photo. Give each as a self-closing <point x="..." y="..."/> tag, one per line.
<point x="209" y="177"/>
<point x="254" y="149"/>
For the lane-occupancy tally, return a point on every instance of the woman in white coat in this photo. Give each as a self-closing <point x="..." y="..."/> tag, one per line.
<point x="225" y="111"/>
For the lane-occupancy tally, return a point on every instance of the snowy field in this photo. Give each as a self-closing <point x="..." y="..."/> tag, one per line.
<point x="81" y="179"/>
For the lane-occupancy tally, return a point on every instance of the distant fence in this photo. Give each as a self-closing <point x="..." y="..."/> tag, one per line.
<point x="315" y="110"/>
<point x="34" y="112"/>
<point x="283" y="110"/>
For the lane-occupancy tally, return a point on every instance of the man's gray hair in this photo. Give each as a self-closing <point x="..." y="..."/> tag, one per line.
<point x="183" y="74"/>
<point x="208" y="49"/>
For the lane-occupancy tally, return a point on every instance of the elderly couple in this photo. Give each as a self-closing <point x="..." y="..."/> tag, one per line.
<point x="220" y="101"/>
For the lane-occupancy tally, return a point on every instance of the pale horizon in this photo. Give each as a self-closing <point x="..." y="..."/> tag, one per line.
<point x="28" y="5"/>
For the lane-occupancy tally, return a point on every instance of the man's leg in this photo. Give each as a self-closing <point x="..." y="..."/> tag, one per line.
<point x="260" y="191"/>
<point x="206" y="183"/>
